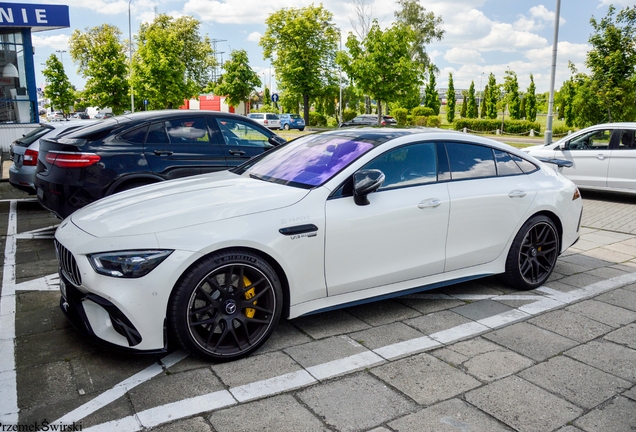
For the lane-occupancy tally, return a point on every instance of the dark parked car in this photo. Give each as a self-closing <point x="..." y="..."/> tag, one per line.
<point x="128" y="151"/>
<point x="370" y="120"/>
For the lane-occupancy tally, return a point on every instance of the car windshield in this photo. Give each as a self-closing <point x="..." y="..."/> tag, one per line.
<point x="311" y="160"/>
<point x="36" y="133"/>
<point x="294" y="116"/>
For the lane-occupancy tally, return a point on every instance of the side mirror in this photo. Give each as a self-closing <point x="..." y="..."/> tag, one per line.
<point x="364" y="183"/>
<point x="277" y="140"/>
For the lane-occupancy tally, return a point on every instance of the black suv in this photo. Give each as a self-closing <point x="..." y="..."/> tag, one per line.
<point x="132" y="150"/>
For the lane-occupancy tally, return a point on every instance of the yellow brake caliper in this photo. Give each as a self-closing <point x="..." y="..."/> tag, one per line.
<point x="249" y="312"/>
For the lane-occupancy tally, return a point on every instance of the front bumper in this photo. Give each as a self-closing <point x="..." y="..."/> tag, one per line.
<point x="77" y="307"/>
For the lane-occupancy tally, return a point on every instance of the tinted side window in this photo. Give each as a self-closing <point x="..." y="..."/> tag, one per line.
<point x="627" y="140"/>
<point x="135" y="136"/>
<point x="526" y="166"/>
<point x="272" y="117"/>
<point x="505" y="164"/>
<point x="470" y="161"/>
<point x="157" y="134"/>
<point x="239" y="133"/>
<point x="405" y="166"/>
<point x="594" y="140"/>
<point x="187" y="130"/>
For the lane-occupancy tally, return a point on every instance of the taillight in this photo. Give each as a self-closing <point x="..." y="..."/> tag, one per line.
<point x="30" y="158"/>
<point x="72" y="160"/>
<point x="264" y="121"/>
<point x="383" y="123"/>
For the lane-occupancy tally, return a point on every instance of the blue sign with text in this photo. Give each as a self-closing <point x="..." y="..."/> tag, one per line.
<point x="34" y="15"/>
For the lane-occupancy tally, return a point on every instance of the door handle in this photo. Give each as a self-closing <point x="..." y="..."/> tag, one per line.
<point x="163" y="152"/>
<point x="517" y="194"/>
<point x="429" y="203"/>
<point x="600" y="156"/>
<point x="237" y="152"/>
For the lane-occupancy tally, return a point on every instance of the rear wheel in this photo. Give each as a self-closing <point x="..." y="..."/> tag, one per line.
<point x="286" y="126"/>
<point x="533" y="254"/>
<point x="227" y="306"/>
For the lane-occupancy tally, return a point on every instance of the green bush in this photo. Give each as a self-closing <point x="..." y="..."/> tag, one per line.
<point x="433" y="121"/>
<point x="332" y="122"/>
<point x="491" y="125"/>
<point x="400" y="115"/>
<point x="422" y="111"/>
<point x="562" y="130"/>
<point x="419" y="120"/>
<point x="317" y="119"/>
<point x="349" y="114"/>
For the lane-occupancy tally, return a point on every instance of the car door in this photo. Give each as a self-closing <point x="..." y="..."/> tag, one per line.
<point x="590" y="154"/>
<point x="489" y="194"/>
<point x="181" y="147"/>
<point x="622" y="161"/>
<point x="239" y="140"/>
<point x="400" y="235"/>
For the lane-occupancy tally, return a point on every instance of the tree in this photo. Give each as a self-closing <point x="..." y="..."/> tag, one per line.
<point x="239" y="79"/>
<point x="366" y="63"/>
<point x="531" y="101"/>
<point x="522" y="109"/>
<point x="463" y="109"/>
<point x="493" y="97"/>
<point x="425" y="25"/>
<point x="511" y="87"/>
<point x="58" y="88"/>
<point x="450" y="99"/>
<point x="102" y="61"/>
<point x="302" y="44"/>
<point x="482" y="108"/>
<point x="471" y="107"/>
<point x="569" y="90"/>
<point x="173" y="62"/>
<point x="611" y="61"/>
<point x="431" y="96"/>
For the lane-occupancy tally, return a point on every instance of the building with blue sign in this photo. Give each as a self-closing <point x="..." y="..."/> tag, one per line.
<point x="18" y="91"/>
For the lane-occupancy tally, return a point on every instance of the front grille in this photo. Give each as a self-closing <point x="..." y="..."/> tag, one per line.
<point x="68" y="265"/>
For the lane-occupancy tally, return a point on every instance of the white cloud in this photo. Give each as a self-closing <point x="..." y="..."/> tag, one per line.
<point x="539" y="17"/>
<point x="254" y="37"/>
<point x="463" y="56"/>
<point x="235" y="11"/>
<point x="57" y="42"/>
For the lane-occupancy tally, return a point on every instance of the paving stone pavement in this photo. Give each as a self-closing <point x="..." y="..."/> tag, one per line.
<point x="476" y="356"/>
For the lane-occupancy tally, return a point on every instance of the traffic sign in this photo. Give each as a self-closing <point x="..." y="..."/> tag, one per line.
<point x="274" y="97"/>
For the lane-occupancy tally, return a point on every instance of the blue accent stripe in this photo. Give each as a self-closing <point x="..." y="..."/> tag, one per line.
<point x="398" y="293"/>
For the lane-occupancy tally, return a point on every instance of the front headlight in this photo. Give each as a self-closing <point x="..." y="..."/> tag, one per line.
<point x="127" y="264"/>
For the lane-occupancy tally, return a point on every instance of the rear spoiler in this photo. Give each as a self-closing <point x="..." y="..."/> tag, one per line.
<point x="558" y="162"/>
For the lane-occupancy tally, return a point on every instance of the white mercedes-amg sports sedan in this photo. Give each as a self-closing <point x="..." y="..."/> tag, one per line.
<point x="325" y="221"/>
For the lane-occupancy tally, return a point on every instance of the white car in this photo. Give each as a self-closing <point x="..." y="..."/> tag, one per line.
<point x="328" y="220"/>
<point x="269" y="120"/>
<point x="603" y="157"/>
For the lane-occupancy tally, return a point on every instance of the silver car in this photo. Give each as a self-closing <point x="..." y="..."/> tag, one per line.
<point x="24" y="151"/>
<point x="269" y="120"/>
<point x="603" y="157"/>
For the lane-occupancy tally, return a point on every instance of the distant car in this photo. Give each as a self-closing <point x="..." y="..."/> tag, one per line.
<point x="291" y="121"/>
<point x="326" y="221"/>
<point x="269" y="120"/>
<point x="603" y="157"/>
<point x="81" y="115"/>
<point x="101" y="116"/>
<point x="56" y="116"/>
<point x="24" y="152"/>
<point x="125" y="152"/>
<point x="370" y="120"/>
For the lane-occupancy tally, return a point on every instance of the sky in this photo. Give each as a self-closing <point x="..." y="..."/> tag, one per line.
<point x="481" y="36"/>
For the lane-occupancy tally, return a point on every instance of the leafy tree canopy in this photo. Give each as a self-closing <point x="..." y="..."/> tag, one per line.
<point x="425" y="25"/>
<point x="239" y="79"/>
<point x="101" y="57"/>
<point x="531" y="101"/>
<point x="58" y="88"/>
<point x="301" y="44"/>
<point x="450" y="99"/>
<point x="173" y="62"/>
<point x="511" y="87"/>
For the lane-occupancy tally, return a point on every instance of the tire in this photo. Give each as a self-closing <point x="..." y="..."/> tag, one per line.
<point x="222" y="322"/>
<point x="301" y="129"/>
<point x="286" y="126"/>
<point x="533" y="254"/>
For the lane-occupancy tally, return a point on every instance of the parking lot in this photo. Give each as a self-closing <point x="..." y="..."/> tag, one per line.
<point x="476" y="356"/>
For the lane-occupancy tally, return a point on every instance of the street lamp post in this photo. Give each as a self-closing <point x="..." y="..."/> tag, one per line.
<point x="61" y="55"/>
<point x="132" y="90"/>
<point x="340" y="82"/>
<point x="548" y="123"/>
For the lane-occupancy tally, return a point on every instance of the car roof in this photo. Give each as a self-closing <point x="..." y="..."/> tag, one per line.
<point x="171" y="113"/>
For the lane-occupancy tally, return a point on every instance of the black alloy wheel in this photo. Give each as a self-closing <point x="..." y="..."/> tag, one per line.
<point x="227" y="306"/>
<point x="533" y="254"/>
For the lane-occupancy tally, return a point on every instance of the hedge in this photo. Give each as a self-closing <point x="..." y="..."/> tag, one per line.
<point x="491" y="125"/>
<point x="317" y="119"/>
<point x="400" y="115"/>
<point x="422" y="111"/>
<point x="427" y="121"/>
<point x="349" y="114"/>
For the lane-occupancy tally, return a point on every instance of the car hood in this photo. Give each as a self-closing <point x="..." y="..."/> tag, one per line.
<point x="181" y="203"/>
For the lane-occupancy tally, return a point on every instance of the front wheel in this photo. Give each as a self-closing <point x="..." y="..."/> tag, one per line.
<point x="227" y="306"/>
<point x="533" y="254"/>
